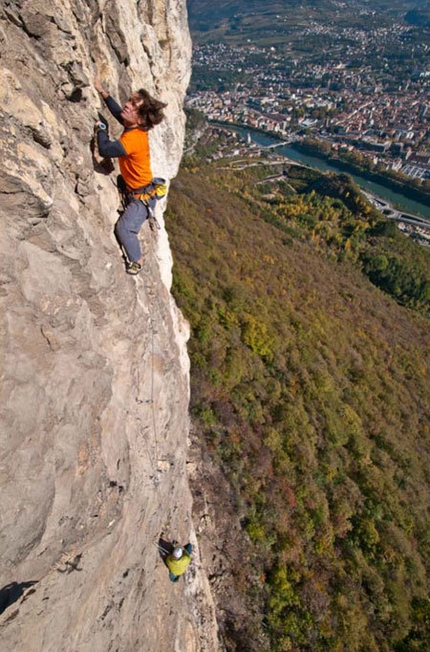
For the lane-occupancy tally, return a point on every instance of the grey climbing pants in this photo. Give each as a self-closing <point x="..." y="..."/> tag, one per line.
<point x="128" y="226"/>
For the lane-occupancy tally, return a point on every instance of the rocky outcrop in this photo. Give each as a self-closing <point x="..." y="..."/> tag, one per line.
<point x="95" y="371"/>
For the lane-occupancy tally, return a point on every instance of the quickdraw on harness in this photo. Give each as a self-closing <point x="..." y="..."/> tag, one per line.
<point x="149" y="195"/>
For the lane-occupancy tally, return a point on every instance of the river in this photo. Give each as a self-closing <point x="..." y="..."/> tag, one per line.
<point x="395" y="198"/>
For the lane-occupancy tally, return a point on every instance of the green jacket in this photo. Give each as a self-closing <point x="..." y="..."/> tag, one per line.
<point x="178" y="566"/>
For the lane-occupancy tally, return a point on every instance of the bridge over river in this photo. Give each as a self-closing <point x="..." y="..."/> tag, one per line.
<point x="393" y="214"/>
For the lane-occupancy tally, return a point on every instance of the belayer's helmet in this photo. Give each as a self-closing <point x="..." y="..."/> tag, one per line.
<point x="177" y="552"/>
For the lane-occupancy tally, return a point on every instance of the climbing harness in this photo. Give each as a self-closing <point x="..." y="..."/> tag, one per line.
<point x="156" y="189"/>
<point x="148" y="195"/>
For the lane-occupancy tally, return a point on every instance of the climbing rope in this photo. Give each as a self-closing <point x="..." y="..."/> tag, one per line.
<point x="154" y="226"/>
<point x="150" y="401"/>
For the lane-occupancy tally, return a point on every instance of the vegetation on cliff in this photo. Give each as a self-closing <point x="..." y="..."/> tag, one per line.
<point x="310" y="389"/>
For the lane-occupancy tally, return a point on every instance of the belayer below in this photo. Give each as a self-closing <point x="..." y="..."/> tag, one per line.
<point x="139" y="114"/>
<point x="178" y="561"/>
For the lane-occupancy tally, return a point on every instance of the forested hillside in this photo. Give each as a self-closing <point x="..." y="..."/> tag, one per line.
<point x="230" y="20"/>
<point x="310" y="391"/>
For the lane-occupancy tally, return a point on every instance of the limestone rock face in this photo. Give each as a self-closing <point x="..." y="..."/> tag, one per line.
<point x="95" y="384"/>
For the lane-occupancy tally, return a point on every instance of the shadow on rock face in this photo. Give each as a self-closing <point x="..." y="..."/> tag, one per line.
<point x="165" y="547"/>
<point x="12" y="592"/>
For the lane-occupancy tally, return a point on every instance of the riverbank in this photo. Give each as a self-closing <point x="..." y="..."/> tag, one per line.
<point x="412" y="192"/>
<point x="395" y="196"/>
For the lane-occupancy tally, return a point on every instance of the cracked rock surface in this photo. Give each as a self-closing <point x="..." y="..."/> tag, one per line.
<point x="95" y="382"/>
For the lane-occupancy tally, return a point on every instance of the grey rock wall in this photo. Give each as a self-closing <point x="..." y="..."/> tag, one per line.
<point x="94" y="393"/>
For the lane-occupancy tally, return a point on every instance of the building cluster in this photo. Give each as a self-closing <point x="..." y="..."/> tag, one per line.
<point x="380" y="113"/>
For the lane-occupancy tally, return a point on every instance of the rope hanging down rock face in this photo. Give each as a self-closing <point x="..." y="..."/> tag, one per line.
<point x="158" y="465"/>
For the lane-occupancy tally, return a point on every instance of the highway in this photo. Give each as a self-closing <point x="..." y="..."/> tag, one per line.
<point x="393" y="214"/>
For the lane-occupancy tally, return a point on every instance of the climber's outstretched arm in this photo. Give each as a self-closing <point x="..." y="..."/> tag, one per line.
<point x="114" y="108"/>
<point x="111" y="104"/>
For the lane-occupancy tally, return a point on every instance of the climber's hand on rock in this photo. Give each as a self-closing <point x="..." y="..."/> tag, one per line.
<point x="98" y="85"/>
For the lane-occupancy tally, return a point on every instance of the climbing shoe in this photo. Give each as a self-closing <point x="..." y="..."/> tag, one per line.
<point x="134" y="268"/>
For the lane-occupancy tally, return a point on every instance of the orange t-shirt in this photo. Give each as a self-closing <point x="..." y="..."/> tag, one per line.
<point x="136" y="166"/>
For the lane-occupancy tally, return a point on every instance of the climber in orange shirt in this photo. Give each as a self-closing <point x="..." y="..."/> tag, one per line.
<point x="139" y="114"/>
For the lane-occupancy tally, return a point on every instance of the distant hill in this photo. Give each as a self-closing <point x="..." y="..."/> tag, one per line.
<point x="419" y="16"/>
<point x="310" y="396"/>
<point x="238" y="20"/>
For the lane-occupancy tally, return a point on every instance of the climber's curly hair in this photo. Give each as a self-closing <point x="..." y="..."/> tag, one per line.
<point x="151" y="110"/>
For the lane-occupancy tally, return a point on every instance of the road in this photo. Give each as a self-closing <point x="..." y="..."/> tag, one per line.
<point x="393" y="214"/>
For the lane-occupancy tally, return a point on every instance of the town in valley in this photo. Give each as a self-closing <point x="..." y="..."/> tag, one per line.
<point x="362" y="93"/>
